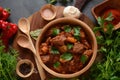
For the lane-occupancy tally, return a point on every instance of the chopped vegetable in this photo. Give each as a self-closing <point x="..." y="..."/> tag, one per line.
<point x="71" y="39"/>
<point x="34" y="34"/>
<point x="56" y="64"/>
<point x="55" y="31"/>
<point x="66" y="56"/>
<point x="54" y="51"/>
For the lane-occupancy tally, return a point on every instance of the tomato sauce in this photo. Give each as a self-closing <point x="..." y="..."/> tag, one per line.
<point x="115" y="13"/>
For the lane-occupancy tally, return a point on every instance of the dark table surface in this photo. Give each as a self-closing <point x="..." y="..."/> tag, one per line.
<point x="25" y="8"/>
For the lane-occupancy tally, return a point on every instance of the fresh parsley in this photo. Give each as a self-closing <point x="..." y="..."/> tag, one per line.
<point x="55" y="31"/>
<point x="66" y="56"/>
<point x="108" y="67"/>
<point x="67" y="28"/>
<point x="69" y="46"/>
<point x="8" y="61"/>
<point x="77" y="32"/>
<point x="56" y="64"/>
<point x="83" y="58"/>
<point x="54" y="50"/>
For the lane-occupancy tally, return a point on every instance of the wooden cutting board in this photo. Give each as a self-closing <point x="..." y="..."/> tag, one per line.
<point x="37" y="22"/>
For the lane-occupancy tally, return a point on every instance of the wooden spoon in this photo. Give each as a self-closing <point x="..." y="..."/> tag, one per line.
<point x="24" y="26"/>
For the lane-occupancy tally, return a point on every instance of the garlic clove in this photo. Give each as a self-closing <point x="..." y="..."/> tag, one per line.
<point x="71" y="11"/>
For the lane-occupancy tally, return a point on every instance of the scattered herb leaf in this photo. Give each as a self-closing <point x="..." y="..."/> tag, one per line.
<point x="56" y="64"/>
<point x="69" y="46"/>
<point x="67" y="28"/>
<point x="66" y="56"/>
<point x="34" y="34"/>
<point x="77" y="32"/>
<point x="55" y="31"/>
<point x="83" y="58"/>
<point x="54" y="51"/>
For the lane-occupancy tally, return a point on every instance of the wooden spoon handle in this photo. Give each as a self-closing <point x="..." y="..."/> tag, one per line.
<point x="80" y="3"/>
<point x="39" y="67"/>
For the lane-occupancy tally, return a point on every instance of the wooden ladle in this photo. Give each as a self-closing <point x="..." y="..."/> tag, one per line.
<point x="24" y="26"/>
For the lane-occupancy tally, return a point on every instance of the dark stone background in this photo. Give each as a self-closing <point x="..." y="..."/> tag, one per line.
<point x="24" y="8"/>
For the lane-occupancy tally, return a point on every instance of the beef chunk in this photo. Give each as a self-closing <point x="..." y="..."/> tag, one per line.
<point x="88" y="52"/>
<point x="86" y="44"/>
<point x="58" y="40"/>
<point x="62" y="49"/>
<point x="78" y="48"/>
<point x="45" y="58"/>
<point x="82" y="34"/>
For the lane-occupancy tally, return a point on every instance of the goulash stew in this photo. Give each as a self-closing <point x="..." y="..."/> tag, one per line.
<point x="65" y="49"/>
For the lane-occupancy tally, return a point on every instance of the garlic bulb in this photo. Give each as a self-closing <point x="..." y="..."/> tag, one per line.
<point x="71" y="11"/>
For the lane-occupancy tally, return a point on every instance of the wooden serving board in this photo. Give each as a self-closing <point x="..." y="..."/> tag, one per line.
<point x="37" y="22"/>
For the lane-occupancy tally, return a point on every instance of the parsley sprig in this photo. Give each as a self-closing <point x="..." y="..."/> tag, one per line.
<point x="108" y="68"/>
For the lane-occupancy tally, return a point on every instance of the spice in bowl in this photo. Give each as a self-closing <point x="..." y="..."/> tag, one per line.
<point x="24" y="68"/>
<point x="48" y="12"/>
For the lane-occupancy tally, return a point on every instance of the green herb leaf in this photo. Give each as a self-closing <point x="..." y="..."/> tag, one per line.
<point x="56" y="64"/>
<point x="83" y="58"/>
<point x="34" y="34"/>
<point x="8" y="61"/>
<point x="66" y="56"/>
<point x="69" y="46"/>
<point x="100" y="21"/>
<point x="67" y="28"/>
<point x="110" y="17"/>
<point x="55" y="31"/>
<point x="54" y="50"/>
<point x="77" y="32"/>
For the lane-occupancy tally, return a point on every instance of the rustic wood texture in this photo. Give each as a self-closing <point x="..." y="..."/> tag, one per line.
<point x="37" y="22"/>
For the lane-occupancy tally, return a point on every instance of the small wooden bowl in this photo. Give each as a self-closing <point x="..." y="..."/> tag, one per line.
<point x="98" y="10"/>
<point x="52" y="10"/>
<point x="91" y="38"/>
<point x="26" y="61"/>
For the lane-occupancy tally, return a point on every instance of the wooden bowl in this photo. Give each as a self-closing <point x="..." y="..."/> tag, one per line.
<point x="99" y="9"/>
<point x="90" y="35"/>
<point x="48" y="12"/>
<point x="21" y="62"/>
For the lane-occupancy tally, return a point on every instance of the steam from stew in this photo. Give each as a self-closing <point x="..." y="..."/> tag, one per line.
<point x="65" y="49"/>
